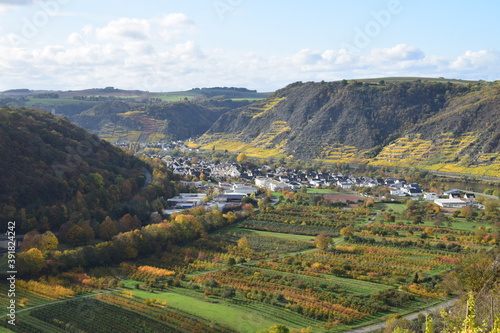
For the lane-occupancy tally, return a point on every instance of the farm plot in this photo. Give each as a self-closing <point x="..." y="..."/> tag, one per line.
<point x="112" y="313"/>
<point x="315" y="297"/>
<point x="306" y="220"/>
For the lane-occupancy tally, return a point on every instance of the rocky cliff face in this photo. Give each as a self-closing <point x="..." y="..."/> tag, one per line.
<point x="403" y="122"/>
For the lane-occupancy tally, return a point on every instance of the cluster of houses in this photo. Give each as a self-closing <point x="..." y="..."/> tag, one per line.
<point x="264" y="176"/>
<point x="280" y="178"/>
<point x="400" y="188"/>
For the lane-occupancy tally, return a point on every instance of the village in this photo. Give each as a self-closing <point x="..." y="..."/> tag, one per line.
<point x="219" y="184"/>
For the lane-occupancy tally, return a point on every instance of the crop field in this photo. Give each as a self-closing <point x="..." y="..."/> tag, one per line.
<point x="57" y="101"/>
<point x="265" y="270"/>
<point x="344" y="198"/>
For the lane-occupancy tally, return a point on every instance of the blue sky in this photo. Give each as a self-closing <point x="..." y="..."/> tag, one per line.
<point x="160" y="45"/>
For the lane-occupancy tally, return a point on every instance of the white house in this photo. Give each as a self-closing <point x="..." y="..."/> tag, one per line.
<point x="271" y="184"/>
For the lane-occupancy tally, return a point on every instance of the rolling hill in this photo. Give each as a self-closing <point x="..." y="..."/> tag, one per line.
<point x="52" y="171"/>
<point x="137" y="116"/>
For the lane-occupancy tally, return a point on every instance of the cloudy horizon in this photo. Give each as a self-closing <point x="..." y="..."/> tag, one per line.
<point x="64" y="45"/>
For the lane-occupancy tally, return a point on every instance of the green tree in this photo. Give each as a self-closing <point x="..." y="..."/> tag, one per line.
<point x="48" y="241"/>
<point x="44" y="242"/>
<point x="469" y="325"/>
<point x="429" y="324"/>
<point x="96" y="179"/>
<point x="30" y="262"/>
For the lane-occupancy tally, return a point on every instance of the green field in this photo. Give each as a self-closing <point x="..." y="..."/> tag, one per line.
<point x="57" y="101"/>
<point x="219" y="311"/>
<point x="275" y="234"/>
<point x="460" y="224"/>
<point x="323" y="191"/>
<point x="397" y="208"/>
<point x="175" y="97"/>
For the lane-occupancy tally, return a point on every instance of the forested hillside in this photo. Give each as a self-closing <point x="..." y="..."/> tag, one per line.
<point x="53" y="172"/>
<point x="435" y="125"/>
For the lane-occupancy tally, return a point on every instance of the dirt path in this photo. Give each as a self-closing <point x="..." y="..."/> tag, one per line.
<point x="409" y="317"/>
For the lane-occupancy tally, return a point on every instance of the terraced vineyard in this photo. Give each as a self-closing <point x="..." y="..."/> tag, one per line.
<point x="147" y="129"/>
<point x="440" y="154"/>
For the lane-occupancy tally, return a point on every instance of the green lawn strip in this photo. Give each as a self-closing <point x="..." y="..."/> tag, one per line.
<point x="289" y="316"/>
<point x="277" y="234"/>
<point x="323" y="191"/>
<point x="56" y="101"/>
<point x="460" y="224"/>
<point x="223" y="312"/>
<point x="273" y="313"/>
<point x="350" y="285"/>
<point x="397" y="208"/>
<point x="358" y="286"/>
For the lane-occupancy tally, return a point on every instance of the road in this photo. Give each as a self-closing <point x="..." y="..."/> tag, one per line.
<point x="409" y="317"/>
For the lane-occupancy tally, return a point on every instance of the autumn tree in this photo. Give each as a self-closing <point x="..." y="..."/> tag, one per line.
<point x="80" y="234"/>
<point x="369" y="203"/>
<point x="48" y="241"/>
<point x="467" y="212"/>
<point x="248" y="208"/>
<point x="43" y="242"/>
<point x="243" y="243"/>
<point x="322" y="241"/>
<point x="108" y="228"/>
<point x="30" y="262"/>
<point x="347" y="231"/>
<point x="128" y="222"/>
<point x="241" y="158"/>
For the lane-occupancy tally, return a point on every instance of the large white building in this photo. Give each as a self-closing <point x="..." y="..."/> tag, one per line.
<point x="187" y="200"/>
<point x="451" y="203"/>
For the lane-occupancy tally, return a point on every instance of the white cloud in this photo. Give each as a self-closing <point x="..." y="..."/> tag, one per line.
<point x="172" y="27"/>
<point x="125" y="30"/>
<point x="482" y="59"/>
<point x="400" y="52"/>
<point x="7" y="5"/>
<point x="160" y="54"/>
<point x="16" y="2"/>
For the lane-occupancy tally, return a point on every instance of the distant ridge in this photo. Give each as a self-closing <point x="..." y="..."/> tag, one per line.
<point x="436" y="124"/>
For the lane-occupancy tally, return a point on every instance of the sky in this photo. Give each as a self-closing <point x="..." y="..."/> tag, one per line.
<point x="164" y="45"/>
